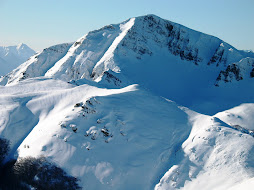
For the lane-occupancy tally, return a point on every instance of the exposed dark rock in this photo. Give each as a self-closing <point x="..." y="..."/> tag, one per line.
<point x="92" y="75"/>
<point x="87" y="109"/>
<point x="78" y="105"/>
<point x="179" y="45"/>
<point x="218" y="57"/>
<point x="77" y="43"/>
<point x="105" y="132"/>
<point x="243" y="130"/>
<point x="93" y="137"/>
<point x="231" y="72"/>
<point x="111" y="78"/>
<point x="252" y="73"/>
<point x="89" y="102"/>
<point x="74" y="129"/>
<point x="108" y="27"/>
<point x="24" y="76"/>
<point x="169" y="28"/>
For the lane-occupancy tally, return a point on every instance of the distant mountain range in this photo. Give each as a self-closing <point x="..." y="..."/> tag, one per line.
<point x="12" y="56"/>
<point x="144" y="104"/>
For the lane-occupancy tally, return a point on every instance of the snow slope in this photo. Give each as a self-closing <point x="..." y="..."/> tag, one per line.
<point x="242" y="116"/>
<point x="79" y="137"/>
<point x="151" y="52"/>
<point x="215" y="156"/>
<point x="12" y="56"/>
<point x="155" y="143"/>
<point x="101" y="109"/>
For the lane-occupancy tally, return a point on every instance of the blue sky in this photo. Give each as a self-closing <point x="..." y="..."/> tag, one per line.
<point x="40" y="24"/>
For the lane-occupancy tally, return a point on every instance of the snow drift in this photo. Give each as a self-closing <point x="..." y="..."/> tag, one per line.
<point x="108" y="108"/>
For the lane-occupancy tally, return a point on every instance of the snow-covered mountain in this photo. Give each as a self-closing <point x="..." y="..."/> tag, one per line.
<point x="115" y="109"/>
<point x="149" y="51"/>
<point x="12" y="56"/>
<point x="126" y="138"/>
<point x="242" y="70"/>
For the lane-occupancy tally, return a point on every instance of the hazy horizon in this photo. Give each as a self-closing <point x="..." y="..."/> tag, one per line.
<point x="41" y="24"/>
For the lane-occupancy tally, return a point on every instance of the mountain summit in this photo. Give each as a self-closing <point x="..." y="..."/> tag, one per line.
<point x="115" y="110"/>
<point x="150" y="51"/>
<point x="12" y="56"/>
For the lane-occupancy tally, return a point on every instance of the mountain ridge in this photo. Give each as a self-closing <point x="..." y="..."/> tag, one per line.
<point x="12" y="56"/>
<point x="144" y="104"/>
<point x="149" y="51"/>
<point x="215" y="57"/>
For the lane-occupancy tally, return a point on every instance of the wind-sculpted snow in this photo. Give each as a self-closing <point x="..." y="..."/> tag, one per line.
<point x="85" y="53"/>
<point x="100" y="108"/>
<point x="79" y="127"/>
<point x="37" y="65"/>
<point x="242" y="116"/>
<point x="125" y="138"/>
<point x="214" y="156"/>
<point x="169" y="59"/>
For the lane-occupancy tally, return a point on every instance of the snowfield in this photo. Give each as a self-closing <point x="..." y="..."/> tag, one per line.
<point x="78" y="127"/>
<point x="116" y="108"/>
<point x="116" y="138"/>
<point x="213" y="154"/>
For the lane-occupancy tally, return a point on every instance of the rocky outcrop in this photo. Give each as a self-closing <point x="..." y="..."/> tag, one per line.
<point x="163" y="33"/>
<point x="180" y="46"/>
<point x="110" y="78"/>
<point x="237" y="71"/>
<point x="252" y="73"/>
<point x="105" y="53"/>
<point x="219" y="57"/>
<point x="232" y="72"/>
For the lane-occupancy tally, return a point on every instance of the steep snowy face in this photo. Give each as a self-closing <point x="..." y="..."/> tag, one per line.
<point x="150" y="34"/>
<point x="84" y="54"/>
<point x="24" y="51"/>
<point x="37" y="65"/>
<point x="97" y="108"/>
<point x="149" y="51"/>
<point x="244" y="69"/>
<point x="76" y="60"/>
<point x="13" y="56"/>
<point x="135" y="39"/>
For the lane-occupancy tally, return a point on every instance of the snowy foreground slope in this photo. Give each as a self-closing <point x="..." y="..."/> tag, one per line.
<point x="123" y="138"/>
<point x="12" y="56"/>
<point x="110" y="139"/>
<point x="115" y="108"/>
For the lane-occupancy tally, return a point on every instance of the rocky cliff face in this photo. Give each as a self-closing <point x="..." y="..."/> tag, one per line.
<point x="161" y="33"/>
<point x="120" y="88"/>
<point x="181" y="41"/>
<point x="145" y="50"/>
<point x="241" y="70"/>
<point x="96" y="52"/>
